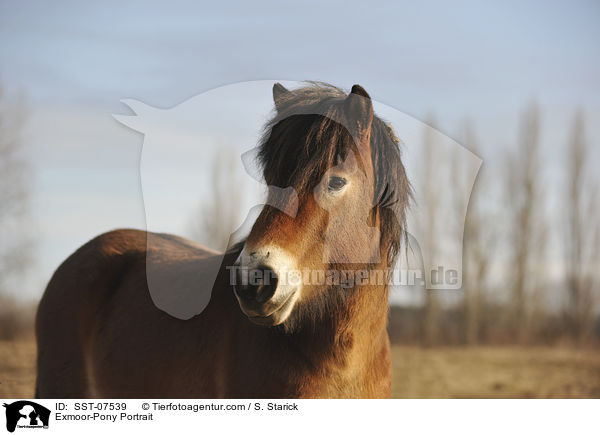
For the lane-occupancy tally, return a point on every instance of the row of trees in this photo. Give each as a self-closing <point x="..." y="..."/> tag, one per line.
<point x="508" y="235"/>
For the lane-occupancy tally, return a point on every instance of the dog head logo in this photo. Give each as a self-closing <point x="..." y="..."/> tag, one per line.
<point x="26" y="414"/>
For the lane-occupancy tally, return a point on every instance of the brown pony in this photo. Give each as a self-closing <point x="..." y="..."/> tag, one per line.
<point x="262" y="335"/>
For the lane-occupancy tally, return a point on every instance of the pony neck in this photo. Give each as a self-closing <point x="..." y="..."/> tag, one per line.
<point x="356" y="326"/>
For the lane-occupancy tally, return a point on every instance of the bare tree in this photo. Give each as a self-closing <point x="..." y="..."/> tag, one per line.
<point x="15" y="243"/>
<point x="581" y="232"/>
<point x="526" y="226"/>
<point x="430" y="205"/>
<point x="218" y="213"/>
<point x="476" y="240"/>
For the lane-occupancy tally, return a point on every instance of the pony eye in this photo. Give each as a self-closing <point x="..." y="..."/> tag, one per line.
<point x="336" y="183"/>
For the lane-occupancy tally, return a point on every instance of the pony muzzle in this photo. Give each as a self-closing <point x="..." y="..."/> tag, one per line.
<point x="263" y="296"/>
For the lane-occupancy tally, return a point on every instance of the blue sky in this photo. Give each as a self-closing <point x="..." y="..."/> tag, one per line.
<point x="75" y="61"/>
<point x="425" y="56"/>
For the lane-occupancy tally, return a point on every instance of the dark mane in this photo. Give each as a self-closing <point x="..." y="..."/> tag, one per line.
<point x="302" y="141"/>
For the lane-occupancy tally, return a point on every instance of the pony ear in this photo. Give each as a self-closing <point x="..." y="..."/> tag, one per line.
<point x="280" y="93"/>
<point x="359" y="109"/>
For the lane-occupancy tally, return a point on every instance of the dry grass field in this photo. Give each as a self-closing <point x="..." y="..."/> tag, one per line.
<point x="17" y="368"/>
<point x="495" y="372"/>
<point x="484" y="372"/>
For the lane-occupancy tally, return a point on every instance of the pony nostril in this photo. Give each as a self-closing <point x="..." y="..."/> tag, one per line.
<point x="267" y="287"/>
<point x="259" y="286"/>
